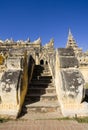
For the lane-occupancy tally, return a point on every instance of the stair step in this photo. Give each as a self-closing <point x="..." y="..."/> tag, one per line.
<point x="41" y="95"/>
<point x="45" y="74"/>
<point x="42" y="104"/>
<point x="50" y="90"/>
<point x="48" y="97"/>
<point x="37" y="78"/>
<point x="44" y="95"/>
<point x="43" y="107"/>
<point x="40" y="84"/>
<point x="41" y="90"/>
<point x="46" y="70"/>
<point x="41" y="81"/>
<point x="36" y="91"/>
<point x="42" y="78"/>
<point x="30" y="100"/>
<point x="38" y="97"/>
<point x="41" y="74"/>
<point x="40" y="70"/>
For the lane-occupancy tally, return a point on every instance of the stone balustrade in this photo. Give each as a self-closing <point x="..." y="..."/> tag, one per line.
<point x="69" y="83"/>
<point x="13" y="85"/>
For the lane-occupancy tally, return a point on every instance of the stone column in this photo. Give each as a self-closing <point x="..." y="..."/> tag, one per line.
<point x="37" y="59"/>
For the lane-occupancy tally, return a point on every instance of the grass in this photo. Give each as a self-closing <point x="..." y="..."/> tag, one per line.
<point x="65" y="118"/>
<point x="2" y="120"/>
<point x="82" y="119"/>
<point x="78" y="119"/>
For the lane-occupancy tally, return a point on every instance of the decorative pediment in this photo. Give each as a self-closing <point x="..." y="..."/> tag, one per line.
<point x="38" y="41"/>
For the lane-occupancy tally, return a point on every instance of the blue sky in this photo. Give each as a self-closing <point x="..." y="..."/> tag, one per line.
<point x="20" y="19"/>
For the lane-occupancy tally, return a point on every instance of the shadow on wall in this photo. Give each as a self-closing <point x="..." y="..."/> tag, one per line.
<point x="86" y="96"/>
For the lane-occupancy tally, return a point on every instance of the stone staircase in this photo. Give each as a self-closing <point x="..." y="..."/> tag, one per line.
<point x="41" y="95"/>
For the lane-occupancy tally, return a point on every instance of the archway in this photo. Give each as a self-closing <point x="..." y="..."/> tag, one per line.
<point x="41" y="62"/>
<point x="46" y="62"/>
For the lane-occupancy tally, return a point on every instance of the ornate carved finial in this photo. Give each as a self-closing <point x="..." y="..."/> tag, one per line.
<point x="70" y="32"/>
<point x="28" y="40"/>
<point x="1" y="41"/>
<point x="11" y="39"/>
<point x="52" y="42"/>
<point x="70" y="36"/>
<point x="71" y="43"/>
<point x="38" y="41"/>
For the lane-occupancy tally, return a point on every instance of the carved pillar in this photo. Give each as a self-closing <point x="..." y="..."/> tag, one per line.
<point x="37" y="59"/>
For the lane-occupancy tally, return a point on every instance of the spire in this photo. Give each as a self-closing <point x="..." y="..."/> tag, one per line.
<point x="71" y="42"/>
<point x="70" y="34"/>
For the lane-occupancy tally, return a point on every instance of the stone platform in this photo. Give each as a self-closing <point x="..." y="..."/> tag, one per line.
<point x="43" y="125"/>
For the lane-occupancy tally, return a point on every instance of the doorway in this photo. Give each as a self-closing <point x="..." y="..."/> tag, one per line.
<point x="41" y="62"/>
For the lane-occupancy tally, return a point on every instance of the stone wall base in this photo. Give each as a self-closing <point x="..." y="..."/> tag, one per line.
<point x="74" y="109"/>
<point x="9" y="111"/>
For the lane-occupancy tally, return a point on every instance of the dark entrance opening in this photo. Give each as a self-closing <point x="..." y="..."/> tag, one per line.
<point x="46" y="63"/>
<point x="41" y="62"/>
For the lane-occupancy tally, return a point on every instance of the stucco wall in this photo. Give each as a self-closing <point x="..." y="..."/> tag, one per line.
<point x="69" y="84"/>
<point x="13" y="85"/>
<point x="84" y="71"/>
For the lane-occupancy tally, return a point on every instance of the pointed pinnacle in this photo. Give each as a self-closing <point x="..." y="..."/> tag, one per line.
<point x="70" y="32"/>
